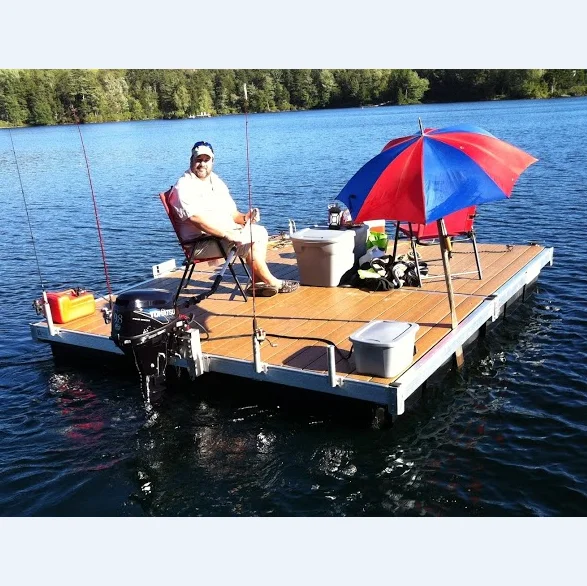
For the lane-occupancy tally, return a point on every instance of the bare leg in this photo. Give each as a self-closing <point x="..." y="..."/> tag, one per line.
<point x="256" y="259"/>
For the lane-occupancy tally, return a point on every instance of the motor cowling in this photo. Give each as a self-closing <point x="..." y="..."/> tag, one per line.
<point x="142" y="327"/>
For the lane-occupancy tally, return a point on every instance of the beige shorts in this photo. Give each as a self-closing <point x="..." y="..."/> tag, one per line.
<point x="254" y="233"/>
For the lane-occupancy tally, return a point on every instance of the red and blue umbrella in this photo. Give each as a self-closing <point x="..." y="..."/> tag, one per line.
<point x="426" y="176"/>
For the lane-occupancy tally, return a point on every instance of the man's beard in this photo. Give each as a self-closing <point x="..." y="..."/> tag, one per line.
<point x="202" y="173"/>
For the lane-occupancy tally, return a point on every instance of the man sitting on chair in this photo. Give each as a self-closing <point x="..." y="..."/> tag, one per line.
<point x="203" y="205"/>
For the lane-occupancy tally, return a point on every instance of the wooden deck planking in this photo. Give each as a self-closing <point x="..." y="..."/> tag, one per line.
<point x="376" y="304"/>
<point x="278" y="316"/>
<point x="463" y="259"/>
<point x="306" y="354"/>
<point x="435" y="311"/>
<point x="332" y="313"/>
<point x="312" y="324"/>
<point x="263" y="306"/>
<point x="302" y="353"/>
<point x="496" y="261"/>
<point x="508" y="268"/>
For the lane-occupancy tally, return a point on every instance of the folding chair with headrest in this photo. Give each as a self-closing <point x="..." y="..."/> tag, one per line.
<point x="191" y="247"/>
<point x="459" y="225"/>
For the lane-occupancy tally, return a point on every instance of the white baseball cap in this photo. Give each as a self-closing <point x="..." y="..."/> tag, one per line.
<point x="202" y="148"/>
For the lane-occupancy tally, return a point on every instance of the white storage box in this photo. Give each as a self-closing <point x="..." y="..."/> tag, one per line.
<point x="323" y="255"/>
<point x="375" y="225"/>
<point x="384" y="348"/>
<point x="361" y="231"/>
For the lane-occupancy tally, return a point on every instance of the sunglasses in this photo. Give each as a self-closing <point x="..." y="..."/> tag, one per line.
<point x="202" y="143"/>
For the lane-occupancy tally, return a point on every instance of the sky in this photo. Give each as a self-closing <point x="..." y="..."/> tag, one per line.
<point x="305" y="33"/>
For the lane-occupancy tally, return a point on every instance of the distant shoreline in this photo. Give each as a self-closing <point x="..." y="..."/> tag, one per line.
<point x="5" y="125"/>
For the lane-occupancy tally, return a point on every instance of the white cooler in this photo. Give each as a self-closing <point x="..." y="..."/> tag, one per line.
<point x="323" y="255"/>
<point x="383" y="347"/>
<point x="361" y="232"/>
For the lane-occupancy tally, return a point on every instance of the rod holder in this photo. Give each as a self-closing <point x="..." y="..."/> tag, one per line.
<point x="335" y="381"/>
<point x="49" y="315"/>
<point x="259" y="365"/>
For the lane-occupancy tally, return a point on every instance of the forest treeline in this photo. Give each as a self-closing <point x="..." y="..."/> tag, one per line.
<point x="61" y="96"/>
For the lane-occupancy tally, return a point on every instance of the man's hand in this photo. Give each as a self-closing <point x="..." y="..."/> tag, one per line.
<point x="253" y="215"/>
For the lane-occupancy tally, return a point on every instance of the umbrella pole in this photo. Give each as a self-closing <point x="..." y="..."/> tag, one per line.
<point x="444" y="249"/>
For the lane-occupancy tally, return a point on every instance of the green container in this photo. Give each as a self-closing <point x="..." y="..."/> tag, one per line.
<point x="378" y="239"/>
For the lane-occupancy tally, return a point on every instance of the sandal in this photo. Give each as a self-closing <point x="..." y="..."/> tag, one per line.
<point x="288" y="286"/>
<point x="262" y="290"/>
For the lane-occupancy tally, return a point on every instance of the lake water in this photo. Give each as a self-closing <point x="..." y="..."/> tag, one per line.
<point x="504" y="437"/>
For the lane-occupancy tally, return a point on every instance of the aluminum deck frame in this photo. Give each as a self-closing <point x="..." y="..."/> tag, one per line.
<point x="392" y="396"/>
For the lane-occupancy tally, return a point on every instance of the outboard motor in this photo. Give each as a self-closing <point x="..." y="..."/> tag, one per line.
<point x="142" y="327"/>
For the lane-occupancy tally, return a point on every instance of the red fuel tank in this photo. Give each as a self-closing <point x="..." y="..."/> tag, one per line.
<point x="70" y="304"/>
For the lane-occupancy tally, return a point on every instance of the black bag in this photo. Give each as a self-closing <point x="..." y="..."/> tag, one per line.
<point x="389" y="274"/>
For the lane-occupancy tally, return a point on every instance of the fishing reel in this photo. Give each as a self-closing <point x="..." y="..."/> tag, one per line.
<point x="107" y="314"/>
<point x="260" y="334"/>
<point x="38" y="306"/>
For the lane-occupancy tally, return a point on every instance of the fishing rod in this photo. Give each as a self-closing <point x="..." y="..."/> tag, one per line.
<point x="101" y="240"/>
<point x="36" y="304"/>
<point x="258" y="333"/>
<point x="250" y="197"/>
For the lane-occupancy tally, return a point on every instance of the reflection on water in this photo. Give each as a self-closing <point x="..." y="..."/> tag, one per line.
<point x="80" y="408"/>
